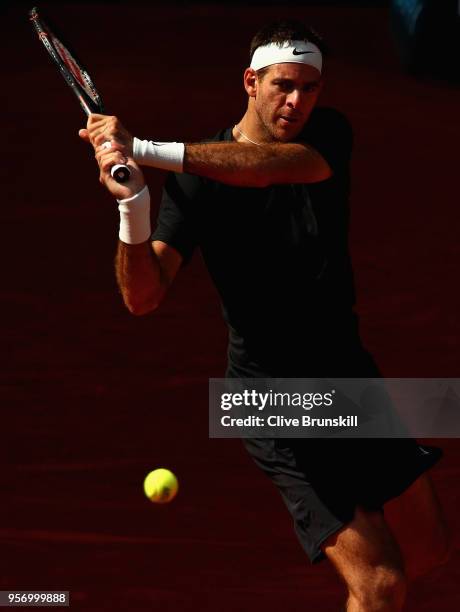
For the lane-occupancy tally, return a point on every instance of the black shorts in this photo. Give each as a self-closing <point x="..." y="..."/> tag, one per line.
<point x="322" y="481"/>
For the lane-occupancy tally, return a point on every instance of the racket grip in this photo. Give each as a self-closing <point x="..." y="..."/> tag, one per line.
<point x="120" y="173"/>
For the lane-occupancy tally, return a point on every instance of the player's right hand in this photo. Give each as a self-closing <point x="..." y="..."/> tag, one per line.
<point x="107" y="157"/>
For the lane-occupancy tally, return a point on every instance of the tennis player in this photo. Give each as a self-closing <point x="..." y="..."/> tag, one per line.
<point x="266" y="201"/>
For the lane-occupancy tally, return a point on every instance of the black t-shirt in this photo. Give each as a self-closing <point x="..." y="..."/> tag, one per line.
<point x="278" y="257"/>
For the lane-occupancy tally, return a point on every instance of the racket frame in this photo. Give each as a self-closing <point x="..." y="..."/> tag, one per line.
<point x="119" y="172"/>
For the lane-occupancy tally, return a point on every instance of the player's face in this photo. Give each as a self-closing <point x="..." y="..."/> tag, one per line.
<point x="285" y="97"/>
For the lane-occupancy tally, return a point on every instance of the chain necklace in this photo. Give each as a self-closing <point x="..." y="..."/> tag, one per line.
<point x="247" y="138"/>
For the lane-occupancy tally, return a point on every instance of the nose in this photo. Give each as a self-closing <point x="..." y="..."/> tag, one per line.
<point x="294" y="98"/>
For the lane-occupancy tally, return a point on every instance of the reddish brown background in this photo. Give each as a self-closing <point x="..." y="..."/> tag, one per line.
<point x="93" y="398"/>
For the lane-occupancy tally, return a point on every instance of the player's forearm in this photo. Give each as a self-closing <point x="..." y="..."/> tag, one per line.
<point x="139" y="277"/>
<point x="137" y="266"/>
<point x="249" y="165"/>
<point x="234" y="163"/>
<point x="243" y="165"/>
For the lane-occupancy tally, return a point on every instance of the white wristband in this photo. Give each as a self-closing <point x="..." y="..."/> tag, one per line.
<point x="164" y="155"/>
<point x="135" y="218"/>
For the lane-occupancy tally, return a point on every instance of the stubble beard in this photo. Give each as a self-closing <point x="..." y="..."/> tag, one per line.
<point x="270" y="128"/>
<point x="268" y="125"/>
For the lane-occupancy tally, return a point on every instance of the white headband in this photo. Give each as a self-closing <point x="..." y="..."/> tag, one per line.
<point x="293" y="52"/>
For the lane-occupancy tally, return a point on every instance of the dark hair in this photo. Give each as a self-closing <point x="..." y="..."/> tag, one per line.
<point x="282" y="31"/>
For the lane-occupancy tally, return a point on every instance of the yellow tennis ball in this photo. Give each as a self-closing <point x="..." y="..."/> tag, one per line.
<point x="161" y="486"/>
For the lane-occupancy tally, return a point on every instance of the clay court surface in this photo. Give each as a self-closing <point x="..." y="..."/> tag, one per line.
<point x="94" y="398"/>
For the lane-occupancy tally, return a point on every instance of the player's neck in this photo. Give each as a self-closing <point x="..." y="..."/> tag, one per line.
<point x="249" y="130"/>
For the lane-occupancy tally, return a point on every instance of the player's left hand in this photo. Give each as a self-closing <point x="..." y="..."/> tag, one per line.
<point x="105" y="128"/>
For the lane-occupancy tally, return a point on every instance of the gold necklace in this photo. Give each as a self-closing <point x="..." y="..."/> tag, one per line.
<point x="247" y="138"/>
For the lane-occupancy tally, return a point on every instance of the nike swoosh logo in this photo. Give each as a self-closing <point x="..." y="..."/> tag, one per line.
<point x="295" y="52"/>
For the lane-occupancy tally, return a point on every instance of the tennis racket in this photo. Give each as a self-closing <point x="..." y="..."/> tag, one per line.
<point x="77" y="78"/>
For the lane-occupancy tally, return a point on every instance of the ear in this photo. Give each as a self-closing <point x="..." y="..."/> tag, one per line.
<point x="250" y="82"/>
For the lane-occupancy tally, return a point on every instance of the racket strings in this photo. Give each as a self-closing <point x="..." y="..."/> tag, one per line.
<point x="77" y="71"/>
<point x="61" y="53"/>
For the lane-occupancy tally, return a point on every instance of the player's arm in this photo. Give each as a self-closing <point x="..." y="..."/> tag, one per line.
<point x="243" y="165"/>
<point x="249" y="165"/>
<point x="144" y="273"/>
<point x="144" y="269"/>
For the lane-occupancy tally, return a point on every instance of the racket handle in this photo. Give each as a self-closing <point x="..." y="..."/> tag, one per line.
<point x="119" y="172"/>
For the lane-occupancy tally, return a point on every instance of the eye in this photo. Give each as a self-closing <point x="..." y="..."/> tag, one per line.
<point x="284" y="86"/>
<point x="311" y="87"/>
